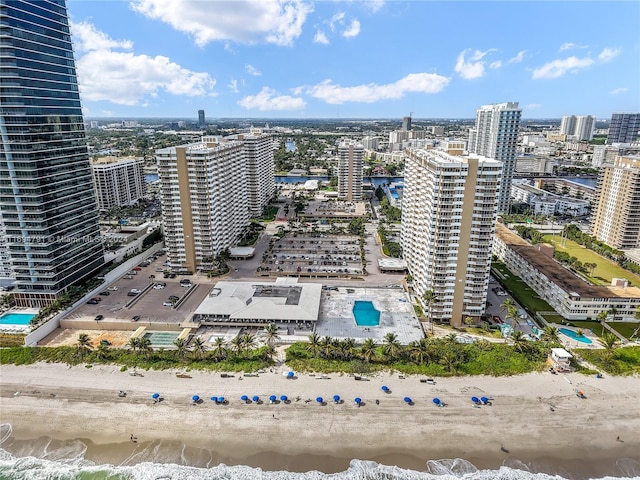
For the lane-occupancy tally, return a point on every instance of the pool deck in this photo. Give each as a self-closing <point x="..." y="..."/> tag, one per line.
<point x="396" y="315"/>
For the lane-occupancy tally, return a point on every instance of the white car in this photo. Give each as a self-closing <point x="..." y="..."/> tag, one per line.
<point x="112" y="289"/>
<point x="167" y="304"/>
<point x="135" y="290"/>
<point x="158" y="287"/>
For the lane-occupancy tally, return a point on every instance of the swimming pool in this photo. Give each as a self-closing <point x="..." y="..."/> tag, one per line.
<point x="161" y="339"/>
<point x="16" y="318"/>
<point x="366" y="314"/>
<point x="574" y="336"/>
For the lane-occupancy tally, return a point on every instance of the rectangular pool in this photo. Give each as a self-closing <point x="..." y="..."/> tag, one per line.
<point x="16" y="318"/>
<point x="162" y="339"/>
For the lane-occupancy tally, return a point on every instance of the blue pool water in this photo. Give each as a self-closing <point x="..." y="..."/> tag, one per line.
<point x="16" y="318"/>
<point x="571" y="334"/>
<point x="366" y="314"/>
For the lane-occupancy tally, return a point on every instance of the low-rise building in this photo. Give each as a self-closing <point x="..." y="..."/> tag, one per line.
<point x="569" y="295"/>
<point x="546" y="203"/>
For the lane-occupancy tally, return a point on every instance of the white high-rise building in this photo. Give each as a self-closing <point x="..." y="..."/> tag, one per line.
<point x="203" y="188"/>
<point x="585" y="125"/>
<point x="568" y="125"/>
<point x="448" y="222"/>
<point x="5" y="259"/>
<point x="258" y="151"/>
<point x="496" y="136"/>
<point x="350" y="165"/>
<point x="118" y="182"/>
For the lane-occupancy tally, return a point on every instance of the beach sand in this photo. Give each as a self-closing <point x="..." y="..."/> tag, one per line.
<point x="577" y="439"/>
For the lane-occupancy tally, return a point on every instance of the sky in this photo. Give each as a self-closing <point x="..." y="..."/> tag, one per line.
<point x="355" y="58"/>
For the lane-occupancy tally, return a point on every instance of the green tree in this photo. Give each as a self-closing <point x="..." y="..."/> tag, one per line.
<point x="609" y="341"/>
<point x="550" y="334"/>
<point x="368" y="350"/>
<point x="237" y="345"/>
<point x="219" y="349"/>
<point x="248" y="342"/>
<point x="519" y="342"/>
<point x="430" y="299"/>
<point x="314" y="344"/>
<point x="391" y="347"/>
<point x="199" y="349"/>
<point x="271" y="334"/>
<point x="83" y="345"/>
<point x="181" y="347"/>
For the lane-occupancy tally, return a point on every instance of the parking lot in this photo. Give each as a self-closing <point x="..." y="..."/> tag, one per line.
<point x="313" y="256"/>
<point x="147" y="305"/>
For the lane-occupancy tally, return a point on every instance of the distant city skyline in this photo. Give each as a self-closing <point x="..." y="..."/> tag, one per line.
<point x="354" y="59"/>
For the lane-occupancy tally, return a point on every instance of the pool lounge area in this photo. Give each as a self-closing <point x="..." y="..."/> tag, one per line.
<point x="16" y="322"/>
<point x="574" y="336"/>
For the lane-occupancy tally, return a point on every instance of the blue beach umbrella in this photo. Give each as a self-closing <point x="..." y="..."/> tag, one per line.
<point x="244" y="398"/>
<point x="475" y="400"/>
<point x="407" y="399"/>
<point x="358" y="400"/>
<point x="272" y="398"/>
<point x="320" y="400"/>
<point x="290" y="375"/>
<point x="385" y="388"/>
<point x="436" y="401"/>
<point x="283" y="398"/>
<point x="155" y="396"/>
<point x="484" y="399"/>
<point x="256" y="398"/>
<point x="220" y="399"/>
<point x="214" y="399"/>
<point x="336" y="398"/>
<point x="195" y="398"/>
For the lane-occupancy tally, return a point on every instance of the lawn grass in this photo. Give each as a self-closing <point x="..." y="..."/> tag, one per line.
<point x="606" y="269"/>
<point x="623" y="361"/>
<point x="626" y="329"/>
<point x="523" y="294"/>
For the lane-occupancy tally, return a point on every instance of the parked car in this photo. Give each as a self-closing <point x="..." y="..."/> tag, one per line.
<point x="158" y="286"/>
<point x="135" y="290"/>
<point x="136" y="269"/>
<point x="97" y="299"/>
<point x="98" y="318"/>
<point x="167" y="304"/>
<point x="113" y="289"/>
<point x="106" y="293"/>
<point x="132" y="294"/>
<point x="135" y="318"/>
<point x="128" y="277"/>
<point x="92" y="302"/>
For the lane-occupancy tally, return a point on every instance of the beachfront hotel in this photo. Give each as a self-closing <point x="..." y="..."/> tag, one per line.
<point x="616" y="218"/>
<point x="568" y="294"/>
<point x="203" y="192"/>
<point x="495" y="135"/>
<point x="119" y="182"/>
<point x="350" y="165"/>
<point x="47" y="201"/>
<point x="448" y="221"/>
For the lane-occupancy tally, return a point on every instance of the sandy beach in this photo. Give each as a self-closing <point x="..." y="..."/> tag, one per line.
<point x="536" y="417"/>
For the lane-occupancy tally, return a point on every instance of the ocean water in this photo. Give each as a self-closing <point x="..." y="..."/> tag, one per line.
<point x="66" y="461"/>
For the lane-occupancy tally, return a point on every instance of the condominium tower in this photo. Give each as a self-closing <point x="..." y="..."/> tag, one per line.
<point x="448" y="221"/>
<point x="201" y="119"/>
<point x="578" y="127"/>
<point x="495" y="135"/>
<point x="47" y="201"/>
<point x="118" y="182"/>
<point x="203" y="191"/>
<point x="616" y="218"/>
<point x="350" y="164"/>
<point x="258" y="154"/>
<point x="624" y="128"/>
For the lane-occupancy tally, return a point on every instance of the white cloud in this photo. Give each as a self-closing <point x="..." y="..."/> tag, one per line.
<point x="557" y="68"/>
<point x="608" y="54"/>
<point x="87" y="37"/>
<point x="374" y="5"/>
<point x="233" y="86"/>
<point x="353" y="30"/>
<point x="244" y="21"/>
<point x="616" y="91"/>
<point x="321" y="38"/>
<point x="267" y="100"/>
<point x="474" y="67"/>
<point x="372" y="92"/>
<point x="337" y="18"/>
<point x="126" y="78"/>
<point x="495" y="65"/>
<point x="569" y="46"/>
<point x="251" y="70"/>
<point x="518" y="58"/>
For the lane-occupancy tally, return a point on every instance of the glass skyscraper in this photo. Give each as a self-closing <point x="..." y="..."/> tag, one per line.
<point x="47" y="201"/>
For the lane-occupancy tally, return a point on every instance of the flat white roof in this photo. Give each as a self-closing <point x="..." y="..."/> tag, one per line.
<point x="242" y="251"/>
<point x="560" y="353"/>
<point x="398" y="263"/>
<point x="285" y="299"/>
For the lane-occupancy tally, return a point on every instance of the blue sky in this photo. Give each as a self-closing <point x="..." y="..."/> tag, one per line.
<point x="355" y="59"/>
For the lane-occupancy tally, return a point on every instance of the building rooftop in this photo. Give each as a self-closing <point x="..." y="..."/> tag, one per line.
<point x="286" y="299"/>
<point x="559" y="275"/>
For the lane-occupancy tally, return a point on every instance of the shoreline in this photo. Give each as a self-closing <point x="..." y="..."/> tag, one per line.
<point x="578" y="437"/>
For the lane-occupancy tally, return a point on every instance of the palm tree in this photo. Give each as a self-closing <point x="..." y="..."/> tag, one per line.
<point x="519" y="342"/>
<point x="507" y="304"/>
<point x="248" y="342"/>
<point x="271" y="334"/>
<point x="84" y="344"/>
<point x="199" y="348"/>
<point x="368" y="350"/>
<point x="391" y="346"/>
<point x="134" y="344"/>
<point x="420" y="350"/>
<point x="103" y="351"/>
<point x="144" y="345"/>
<point x="314" y="344"/>
<point x="609" y="341"/>
<point x="237" y="345"/>
<point x="326" y="347"/>
<point x="181" y="347"/>
<point x="347" y="347"/>
<point x="429" y="297"/>
<point x="550" y="334"/>
<point x="219" y="349"/>
<point x="269" y="352"/>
